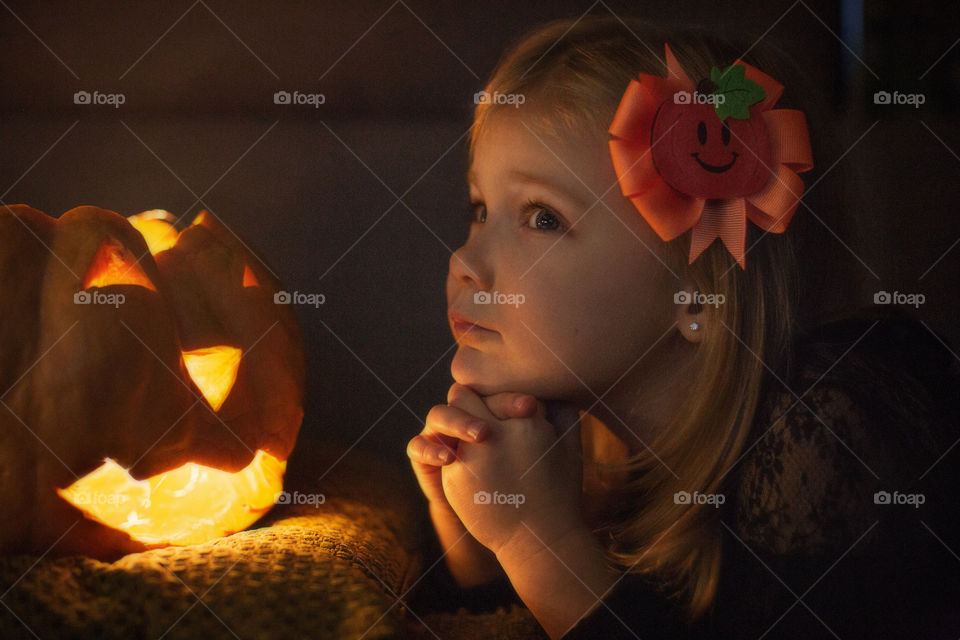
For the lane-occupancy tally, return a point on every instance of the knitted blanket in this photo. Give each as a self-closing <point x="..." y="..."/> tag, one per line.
<point x="334" y="570"/>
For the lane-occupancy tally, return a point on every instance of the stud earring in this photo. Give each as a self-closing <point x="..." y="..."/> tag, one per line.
<point x="694" y="326"/>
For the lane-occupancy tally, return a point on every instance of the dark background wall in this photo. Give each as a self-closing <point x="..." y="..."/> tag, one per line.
<point x="359" y="199"/>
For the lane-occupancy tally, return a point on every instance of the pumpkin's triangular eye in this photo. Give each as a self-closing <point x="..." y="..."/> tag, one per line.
<point x="214" y="371"/>
<point x="249" y="279"/>
<point x="115" y="264"/>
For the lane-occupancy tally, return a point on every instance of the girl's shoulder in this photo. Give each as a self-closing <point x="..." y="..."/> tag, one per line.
<point x="869" y="405"/>
<point x="843" y="496"/>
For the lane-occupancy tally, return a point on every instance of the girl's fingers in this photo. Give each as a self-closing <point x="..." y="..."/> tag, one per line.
<point x="453" y="422"/>
<point x="463" y="397"/>
<point x="509" y="405"/>
<point x="444" y="428"/>
<point x="427" y="450"/>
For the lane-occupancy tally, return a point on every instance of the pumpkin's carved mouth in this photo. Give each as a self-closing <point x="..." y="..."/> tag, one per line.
<point x="188" y="505"/>
<point x="713" y="168"/>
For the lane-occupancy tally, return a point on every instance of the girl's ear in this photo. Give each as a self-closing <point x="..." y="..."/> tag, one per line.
<point x="690" y="316"/>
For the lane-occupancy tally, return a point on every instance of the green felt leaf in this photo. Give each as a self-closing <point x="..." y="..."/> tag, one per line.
<point x="738" y="92"/>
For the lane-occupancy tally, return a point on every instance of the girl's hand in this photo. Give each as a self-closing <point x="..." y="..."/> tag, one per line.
<point x="522" y="481"/>
<point x="446" y="427"/>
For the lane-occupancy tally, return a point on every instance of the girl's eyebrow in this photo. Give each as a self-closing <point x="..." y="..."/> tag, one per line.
<point x="544" y="181"/>
<point x="531" y="178"/>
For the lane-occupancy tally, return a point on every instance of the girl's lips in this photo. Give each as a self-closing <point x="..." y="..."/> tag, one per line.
<point x="464" y="326"/>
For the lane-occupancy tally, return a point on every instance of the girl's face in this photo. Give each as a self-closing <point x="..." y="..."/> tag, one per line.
<point x="572" y="297"/>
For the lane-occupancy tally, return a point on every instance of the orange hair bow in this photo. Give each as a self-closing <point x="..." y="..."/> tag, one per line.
<point x="709" y="161"/>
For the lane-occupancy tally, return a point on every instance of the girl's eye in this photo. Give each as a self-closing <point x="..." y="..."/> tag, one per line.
<point x="542" y="218"/>
<point x="475" y="212"/>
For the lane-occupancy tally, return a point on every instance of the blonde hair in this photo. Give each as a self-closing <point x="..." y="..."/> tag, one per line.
<point x="572" y="75"/>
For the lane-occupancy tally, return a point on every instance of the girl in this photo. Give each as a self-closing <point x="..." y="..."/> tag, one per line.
<point x="645" y="438"/>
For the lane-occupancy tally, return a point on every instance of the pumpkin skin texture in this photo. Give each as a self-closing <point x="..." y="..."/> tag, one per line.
<point x="696" y="156"/>
<point x="87" y="382"/>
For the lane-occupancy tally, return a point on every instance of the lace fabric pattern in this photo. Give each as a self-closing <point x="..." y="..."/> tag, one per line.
<point x="805" y="486"/>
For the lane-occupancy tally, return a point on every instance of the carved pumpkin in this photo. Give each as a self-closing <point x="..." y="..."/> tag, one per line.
<point x="151" y="389"/>
<point x="702" y="156"/>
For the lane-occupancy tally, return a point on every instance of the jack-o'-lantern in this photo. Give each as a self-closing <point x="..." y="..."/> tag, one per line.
<point x="152" y="390"/>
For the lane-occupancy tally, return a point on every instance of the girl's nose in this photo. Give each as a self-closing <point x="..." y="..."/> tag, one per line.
<point x="466" y="268"/>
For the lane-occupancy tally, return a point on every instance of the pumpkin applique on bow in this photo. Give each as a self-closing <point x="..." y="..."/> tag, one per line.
<point x="711" y="156"/>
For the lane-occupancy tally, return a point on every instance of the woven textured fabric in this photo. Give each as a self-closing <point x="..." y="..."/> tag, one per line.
<point x="331" y="570"/>
<point x="328" y="574"/>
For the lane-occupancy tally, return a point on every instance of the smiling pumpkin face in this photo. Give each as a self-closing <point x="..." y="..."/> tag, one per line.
<point x="698" y="154"/>
<point x="151" y="389"/>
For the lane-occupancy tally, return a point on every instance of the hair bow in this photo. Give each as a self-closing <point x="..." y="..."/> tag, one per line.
<point x="710" y="156"/>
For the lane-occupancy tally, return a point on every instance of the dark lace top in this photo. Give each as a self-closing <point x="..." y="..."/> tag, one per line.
<point x="840" y="521"/>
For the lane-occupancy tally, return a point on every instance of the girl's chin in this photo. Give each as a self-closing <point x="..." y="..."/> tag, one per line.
<point x="478" y="370"/>
<point x="482" y="373"/>
<point x="471" y="368"/>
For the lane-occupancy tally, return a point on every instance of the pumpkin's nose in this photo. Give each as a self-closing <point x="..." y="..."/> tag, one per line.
<point x="214" y="371"/>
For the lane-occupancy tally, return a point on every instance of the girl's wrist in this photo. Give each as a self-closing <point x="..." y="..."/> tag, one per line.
<point x="444" y="512"/>
<point x="560" y="580"/>
<point x="470" y="563"/>
<point x="526" y="546"/>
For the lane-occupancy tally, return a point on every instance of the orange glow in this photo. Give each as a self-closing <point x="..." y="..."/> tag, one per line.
<point x="156" y="227"/>
<point x="249" y="279"/>
<point x="115" y="264"/>
<point x="193" y="503"/>
<point x="188" y="505"/>
<point x="213" y="370"/>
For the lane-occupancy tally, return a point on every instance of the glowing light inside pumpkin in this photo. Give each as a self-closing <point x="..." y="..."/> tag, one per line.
<point x="156" y="227"/>
<point x="213" y="370"/>
<point x="193" y="503"/>
<point x="249" y="279"/>
<point x="199" y="218"/>
<point x="188" y="505"/>
<point x="115" y="264"/>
